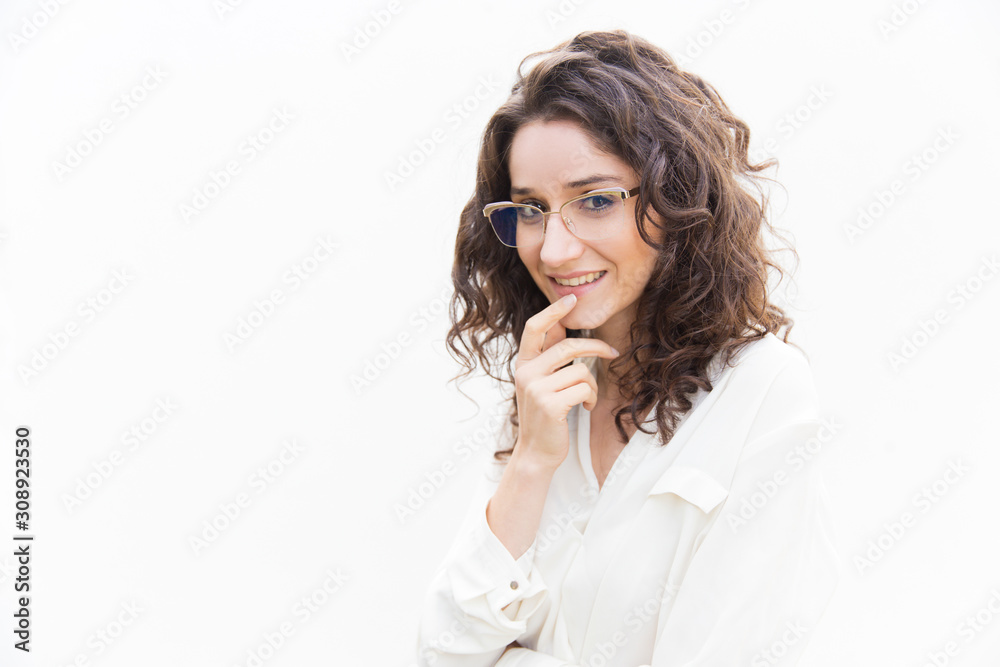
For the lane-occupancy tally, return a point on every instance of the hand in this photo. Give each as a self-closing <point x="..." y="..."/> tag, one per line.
<point x="547" y="388"/>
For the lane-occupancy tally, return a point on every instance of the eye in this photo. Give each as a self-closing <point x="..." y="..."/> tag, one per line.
<point x="597" y="203"/>
<point x="528" y="215"/>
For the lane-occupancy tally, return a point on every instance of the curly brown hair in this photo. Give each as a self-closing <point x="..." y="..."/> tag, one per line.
<point x="708" y="294"/>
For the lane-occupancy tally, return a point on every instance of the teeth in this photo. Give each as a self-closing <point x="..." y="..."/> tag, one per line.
<point x="580" y="280"/>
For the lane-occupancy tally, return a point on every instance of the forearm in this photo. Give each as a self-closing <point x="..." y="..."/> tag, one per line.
<point x="514" y="513"/>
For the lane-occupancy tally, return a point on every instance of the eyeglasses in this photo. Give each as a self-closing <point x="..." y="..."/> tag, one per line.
<point x="592" y="216"/>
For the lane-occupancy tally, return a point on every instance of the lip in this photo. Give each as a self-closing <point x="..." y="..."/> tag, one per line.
<point x="578" y="290"/>
<point x="575" y="274"/>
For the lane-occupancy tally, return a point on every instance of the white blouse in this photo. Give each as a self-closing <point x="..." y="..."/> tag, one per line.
<point x="712" y="550"/>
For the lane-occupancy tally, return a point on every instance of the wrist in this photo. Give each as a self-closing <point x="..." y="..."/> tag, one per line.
<point x="528" y="464"/>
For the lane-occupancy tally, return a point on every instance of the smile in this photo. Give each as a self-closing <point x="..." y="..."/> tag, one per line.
<point x="580" y="280"/>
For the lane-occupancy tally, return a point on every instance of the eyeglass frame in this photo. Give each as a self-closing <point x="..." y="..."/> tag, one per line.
<point x="489" y="208"/>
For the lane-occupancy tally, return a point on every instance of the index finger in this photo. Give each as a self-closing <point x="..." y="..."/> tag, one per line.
<point x="533" y="337"/>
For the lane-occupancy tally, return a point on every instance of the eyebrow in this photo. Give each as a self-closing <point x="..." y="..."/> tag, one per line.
<point x="573" y="185"/>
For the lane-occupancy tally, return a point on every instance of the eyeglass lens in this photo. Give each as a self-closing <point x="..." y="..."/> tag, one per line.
<point x="589" y="218"/>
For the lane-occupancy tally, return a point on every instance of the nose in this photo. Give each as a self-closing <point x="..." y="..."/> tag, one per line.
<point x="559" y="245"/>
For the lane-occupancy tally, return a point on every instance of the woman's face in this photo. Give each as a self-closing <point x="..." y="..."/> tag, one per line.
<point x="551" y="162"/>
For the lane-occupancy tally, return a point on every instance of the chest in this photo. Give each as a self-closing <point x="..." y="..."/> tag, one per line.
<point x="605" y="442"/>
<point x="617" y="570"/>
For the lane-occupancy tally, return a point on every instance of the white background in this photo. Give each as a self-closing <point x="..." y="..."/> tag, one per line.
<point x="865" y="100"/>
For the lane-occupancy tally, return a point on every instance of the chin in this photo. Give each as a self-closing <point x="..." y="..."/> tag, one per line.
<point x="581" y="321"/>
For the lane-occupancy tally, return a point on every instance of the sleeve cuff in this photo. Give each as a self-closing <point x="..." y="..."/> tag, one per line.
<point x="489" y="583"/>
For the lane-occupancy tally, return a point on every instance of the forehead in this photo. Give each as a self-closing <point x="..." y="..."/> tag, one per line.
<point x="547" y="156"/>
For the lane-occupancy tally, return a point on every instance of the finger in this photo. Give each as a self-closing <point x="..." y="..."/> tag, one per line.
<point x="553" y="336"/>
<point x="566" y="377"/>
<point x="533" y="337"/>
<point x="566" y="351"/>
<point x="582" y="378"/>
<point x="578" y="393"/>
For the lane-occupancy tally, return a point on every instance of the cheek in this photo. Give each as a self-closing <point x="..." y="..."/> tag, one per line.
<point x="635" y="268"/>
<point x="530" y="261"/>
<point x="528" y="256"/>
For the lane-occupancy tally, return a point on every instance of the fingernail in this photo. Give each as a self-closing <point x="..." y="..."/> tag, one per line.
<point x="615" y="351"/>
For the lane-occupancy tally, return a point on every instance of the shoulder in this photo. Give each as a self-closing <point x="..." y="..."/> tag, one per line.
<point x="762" y="357"/>
<point x="764" y="395"/>
<point x="761" y="363"/>
<point x="773" y="381"/>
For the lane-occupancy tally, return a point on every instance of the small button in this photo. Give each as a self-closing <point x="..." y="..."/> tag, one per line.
<point x="513" y="585"/>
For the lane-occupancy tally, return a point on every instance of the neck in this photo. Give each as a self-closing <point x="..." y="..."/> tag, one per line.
<point x="607" y="388"/>
<point x="615" y="333"/>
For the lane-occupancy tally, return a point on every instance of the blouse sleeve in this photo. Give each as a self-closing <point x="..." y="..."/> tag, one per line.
<point x="480" y="598"/>
<point x="765" y="570"/>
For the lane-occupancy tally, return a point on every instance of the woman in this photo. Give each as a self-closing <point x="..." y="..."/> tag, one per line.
<point x="656" y="505"/>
